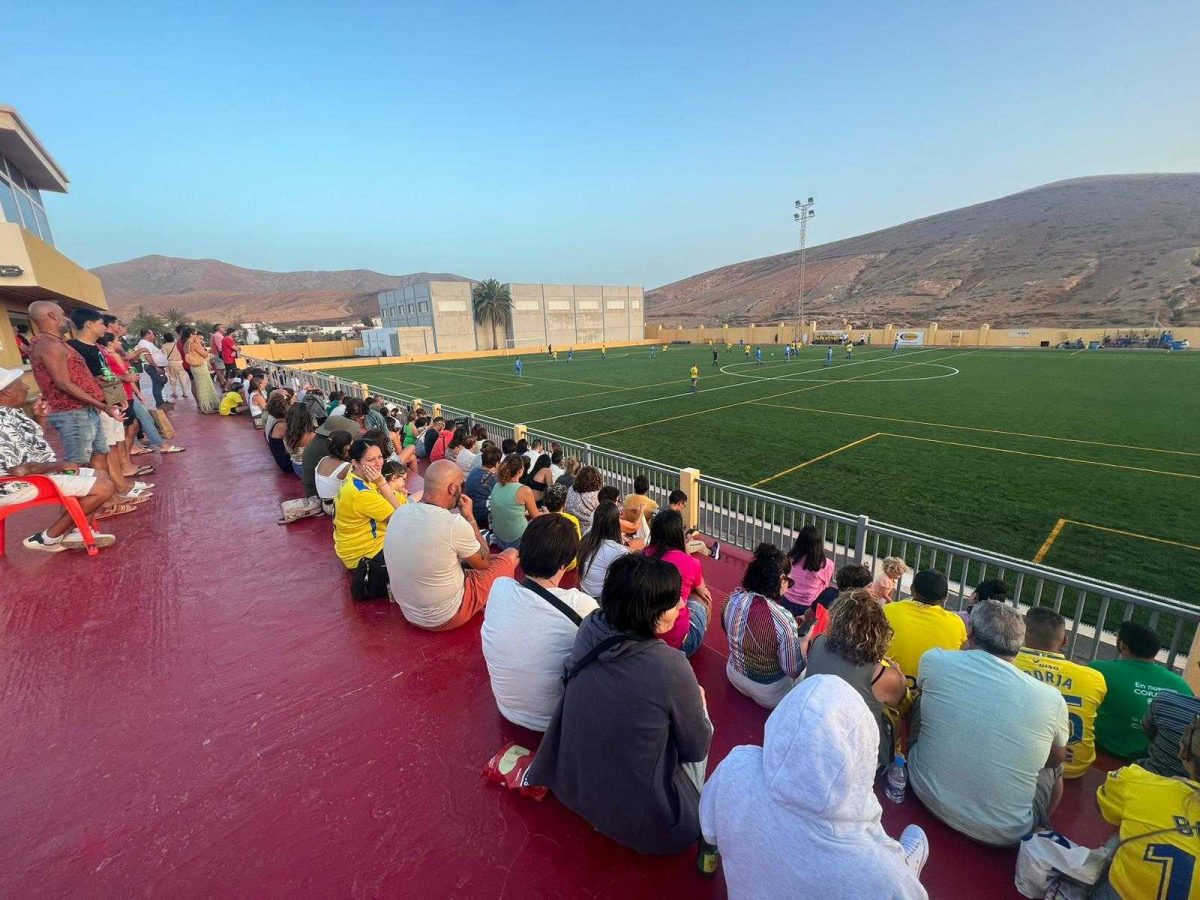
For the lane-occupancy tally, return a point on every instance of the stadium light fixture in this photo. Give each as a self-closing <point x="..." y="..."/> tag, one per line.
<point x="801" y="217"/>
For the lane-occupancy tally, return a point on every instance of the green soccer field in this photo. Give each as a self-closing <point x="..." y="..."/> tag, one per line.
<point x="1085" y="460"/>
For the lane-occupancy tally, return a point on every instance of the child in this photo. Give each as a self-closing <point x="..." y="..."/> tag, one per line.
<point x="883" y="588"/>
<point x="396" y="474"/>
<point x="232" y="403"/>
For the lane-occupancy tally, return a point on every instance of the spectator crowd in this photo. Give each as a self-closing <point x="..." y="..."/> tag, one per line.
<point x="592" y="603"/>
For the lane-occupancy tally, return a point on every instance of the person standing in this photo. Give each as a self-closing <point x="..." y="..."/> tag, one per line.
<point x="519" y="367"/>
<point x="694" y="374"/>
<point x="197" y="355"/>
<point x="714" y="353"/>
<point x="155" y="368"/>
<point x="229" y="351"/>
<point x="177" y="376"/>
<point x="214" y="354"/>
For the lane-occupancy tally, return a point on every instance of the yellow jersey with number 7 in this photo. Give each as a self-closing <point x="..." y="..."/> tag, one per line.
<point x="1162" y="817"/>
<point x="1082" y="691"/>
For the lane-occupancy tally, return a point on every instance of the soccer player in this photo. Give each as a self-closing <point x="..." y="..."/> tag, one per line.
<point x="714" y="350"/>
<point x="653" y="351"/>
<point x="519" y="366"/>
<point x="554" y="355"/>
<point x="758" y="355"/>
<point x="665" y="347"/>
<point x="695" y="376"/>
<point x="603" y="352"/>
<point x="1082" y="688"/>
<point x="849" y="350"/>
<point x="787" y="352"/>
<point x="728" y="347"/>
<point x="829" y="356"/>
<point x="746" y="347"/>
<point x="550" y="350"/>
<point x="896" y="347"/>
<point x="571" y="354"/>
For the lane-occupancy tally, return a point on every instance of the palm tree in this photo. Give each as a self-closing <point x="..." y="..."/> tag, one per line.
<point x="175" y="317"/>
<point x="144" y="319"/>
<point x="492" y="302"/>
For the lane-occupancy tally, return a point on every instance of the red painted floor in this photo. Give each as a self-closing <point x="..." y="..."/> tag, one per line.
<point x="201" y="711"/>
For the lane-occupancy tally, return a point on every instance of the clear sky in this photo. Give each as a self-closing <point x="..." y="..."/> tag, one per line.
<point x="617" y="142"/>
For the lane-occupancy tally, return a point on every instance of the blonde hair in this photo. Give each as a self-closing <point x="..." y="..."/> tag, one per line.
<point x="894" y="566"/>
<point x="858" y="630"/>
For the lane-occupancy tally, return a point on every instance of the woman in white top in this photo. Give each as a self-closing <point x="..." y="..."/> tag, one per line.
<point x="257" y="401"/>
<point x="600" y="547"/>
<point x="467" y="457"/>
<point x="331" y="470"/>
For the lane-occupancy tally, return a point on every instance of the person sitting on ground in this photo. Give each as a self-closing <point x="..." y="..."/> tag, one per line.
<point x="583" y="495"/>
<point x="801" y="809"/>
<point x="275" y="429"/>
<point x="627" y="747"/>
<point x="847" y="578"/>
<point x="438" y="451"/>
<point x="1166" y="719"/>
<point x="1155" y="846"/>
<point x="811" y="571"/>
<point x="989" y="589"/>
<point x="556" y="466"/>
<point x="511" y="505"/>
<point x="601" y="547"/>
<point x="639" y="500"/>
<point x="411" y="433"/>
<point x="668" y="543"/>
<point x="256" y="401"/>
<point x="507" y="447"/>
<point x="633" y="528"/>
<point x="1133" y="680"/>
<point x="365" y="503"/>
<point x="315" y="401"/>
<point x="432" y="435"/>
<point x="376" y="419"/>
<point x="533" y="451"/>
<point x="24" y="451"/>
<point x="454" y="444"/>
<point x="555" y="501"/>
<point x="570" y="470"/>
<point x="922" y="623"/>
<point x="1082" y="688"/>
<point x="480" y="482"/>
<point x="232" y="403"/>
<point x="331" y="471"/>
<point x="355" y="411"/>
<point x="538" y="477"/>
<point x="467" y="457"/>
<point x="765" y="658"/>
<point x="335" y="407"/>
<point x="318" y="449"/>
<point x="854" y="648"/>
<point x="427" y="545"/>
<point x="987" y="742"/>
<point x="529" y="627"/>
<point x="886" y="583"/>
<point x="298" y="434"/>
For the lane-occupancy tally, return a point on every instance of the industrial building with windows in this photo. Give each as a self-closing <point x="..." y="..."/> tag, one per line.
<point x="437" y="317"/>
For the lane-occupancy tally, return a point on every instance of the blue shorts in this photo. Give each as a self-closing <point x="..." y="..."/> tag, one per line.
<point x="81" y="432"/>
<point x="696" y="627"/>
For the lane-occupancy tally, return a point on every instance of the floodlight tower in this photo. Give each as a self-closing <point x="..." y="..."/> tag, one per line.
<point x="804" y="212"/>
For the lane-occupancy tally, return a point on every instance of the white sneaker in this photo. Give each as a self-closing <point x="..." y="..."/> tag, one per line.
<point x="73" y="540"/>
<point x="915" y="842"/>
<point x="37" y="542"/>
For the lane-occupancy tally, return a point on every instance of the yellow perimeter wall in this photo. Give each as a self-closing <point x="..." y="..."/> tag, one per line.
<point x="299" y="354"/>
<point x="935" y="335"/>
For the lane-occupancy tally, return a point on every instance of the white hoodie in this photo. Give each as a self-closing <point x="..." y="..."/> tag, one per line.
<point x="798" y="816"/>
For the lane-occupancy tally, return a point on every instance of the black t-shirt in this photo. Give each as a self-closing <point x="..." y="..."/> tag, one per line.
<point x="431" y="438"/>
<point x="91" y="356"/>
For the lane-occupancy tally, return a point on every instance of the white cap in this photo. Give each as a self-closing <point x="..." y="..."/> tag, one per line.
<point x="8" y="376"/>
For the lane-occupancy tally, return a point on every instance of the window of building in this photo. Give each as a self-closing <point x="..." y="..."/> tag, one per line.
<point x="587" y="304"/>
<point x="558" y="305"/>
<point x="452" y="306"/>
<point x="526" y="305"/>
<point x="8" y="202"/>
<point x="635" y="304"/>
<point x="615" y="304"/>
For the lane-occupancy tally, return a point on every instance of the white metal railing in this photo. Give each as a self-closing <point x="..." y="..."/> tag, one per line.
<point x="745" y="517"/>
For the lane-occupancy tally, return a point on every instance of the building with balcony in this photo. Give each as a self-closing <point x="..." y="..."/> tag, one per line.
<point x="437" y="317"/>
<point x="31" y="268"/>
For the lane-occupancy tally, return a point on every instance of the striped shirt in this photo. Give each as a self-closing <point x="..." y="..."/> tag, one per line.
<point x="1166" y="719"/>
<point x="764" y="644"/>
<point x="21" y="441"/>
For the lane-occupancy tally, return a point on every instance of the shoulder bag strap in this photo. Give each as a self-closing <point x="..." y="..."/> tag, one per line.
<point x="530" y="585"/>
<point x="590" y="657"/>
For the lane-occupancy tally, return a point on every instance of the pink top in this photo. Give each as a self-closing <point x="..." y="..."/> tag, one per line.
<point x="691" y="574"/>
<point x="883" y="588"/>
<point x="807" y="585"/>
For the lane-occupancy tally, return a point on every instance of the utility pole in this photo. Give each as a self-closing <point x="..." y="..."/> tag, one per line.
<point x="804" y="212"/>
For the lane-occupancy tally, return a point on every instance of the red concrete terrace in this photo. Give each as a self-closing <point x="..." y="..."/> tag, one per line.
<point x="202" y="711"/>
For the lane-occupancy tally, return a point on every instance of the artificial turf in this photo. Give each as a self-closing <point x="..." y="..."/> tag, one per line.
<point x="986" y="447"/>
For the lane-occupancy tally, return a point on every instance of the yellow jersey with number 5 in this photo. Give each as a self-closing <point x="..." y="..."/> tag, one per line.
<point x="1082" y="691"/>
<point x="1159" y="866"/>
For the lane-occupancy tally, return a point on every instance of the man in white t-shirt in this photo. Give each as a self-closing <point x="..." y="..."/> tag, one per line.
<point x="529" y="627"/>
<point x="427" y="546"/>
<point x="987" y="742"/>
<point x="535" y="450"/>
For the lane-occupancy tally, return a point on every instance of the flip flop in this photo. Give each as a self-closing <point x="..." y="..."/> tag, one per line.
<point x="119" y="510"/>
<point x="139" y="452"/>
<point x="143" y="470"/>
<point x="172" y="450"/>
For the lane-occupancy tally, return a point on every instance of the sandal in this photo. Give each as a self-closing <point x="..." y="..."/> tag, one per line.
<point x="141" y="451"/>
<point x="172" y="449"/>
<point x="107" y="512"/>
<point x="143" y="470"/>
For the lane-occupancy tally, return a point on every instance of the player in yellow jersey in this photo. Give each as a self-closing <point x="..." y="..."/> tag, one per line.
<point x="747" y="351"/>
<point x="603" y="352"/>
<point x="1042" y="657"/>
<point x="1159" y="828"/>
<point x="664" y="348"/>
<point x="695" y="376"/>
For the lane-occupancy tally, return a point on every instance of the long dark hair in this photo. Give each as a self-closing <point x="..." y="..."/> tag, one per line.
<point x="666" y="533"/>
<point x="809" y="548"/>
<point x="186" y="332"/>
<point x="606" y="526"/>
<point x="299" y="423"/>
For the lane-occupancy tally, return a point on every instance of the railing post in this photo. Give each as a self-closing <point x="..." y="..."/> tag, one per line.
<point x="587" y="455"/>
<point x="364" y="390"/>
<point x="519" y="432"/>
<point x="860" y="540"/>
<point x="437" y="410"/>
<point x="689" y="483"/>
<point x="1191" y="668"/>
<point x="417" y="404"/>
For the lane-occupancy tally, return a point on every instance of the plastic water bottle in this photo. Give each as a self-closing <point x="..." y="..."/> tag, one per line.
<point x="708" y="858"/>
<point x="897" y="778"/>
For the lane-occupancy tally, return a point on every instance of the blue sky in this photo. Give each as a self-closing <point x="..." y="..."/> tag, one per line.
<point x="615" y="142"/>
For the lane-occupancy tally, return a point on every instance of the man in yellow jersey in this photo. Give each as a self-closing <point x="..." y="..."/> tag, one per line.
<point x="1159" y="828"/>
<point x="922" y="623"/>
<point x="695" y="376"/>
<point x="747" y="351"/>
<point x="1042" y="657"/>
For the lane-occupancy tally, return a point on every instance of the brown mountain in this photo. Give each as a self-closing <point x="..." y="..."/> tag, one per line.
<point x="211" y="290"/>
<point x="1111" y="250"/>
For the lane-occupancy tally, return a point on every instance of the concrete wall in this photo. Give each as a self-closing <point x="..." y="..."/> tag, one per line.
<point x="453" y="321"/>
<point x="309" y="349"/>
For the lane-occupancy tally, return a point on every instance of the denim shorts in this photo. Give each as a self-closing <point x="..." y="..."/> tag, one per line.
<point x="81" y="432"/>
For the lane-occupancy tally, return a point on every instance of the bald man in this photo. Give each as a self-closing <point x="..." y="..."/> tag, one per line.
<point x="443" y="570"/>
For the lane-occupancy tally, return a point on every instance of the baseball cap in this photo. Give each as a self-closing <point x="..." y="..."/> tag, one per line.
<point x="929" y="586"/>
<point x="340" y="423"/>
<point x="8" y="376"/>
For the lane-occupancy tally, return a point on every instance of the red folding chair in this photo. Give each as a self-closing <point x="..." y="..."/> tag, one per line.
<point x="48" y="492"/>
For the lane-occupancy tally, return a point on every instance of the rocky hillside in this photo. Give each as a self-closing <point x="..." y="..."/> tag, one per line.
<point x="1112" y="250"/>
<point x="211" y="290"/>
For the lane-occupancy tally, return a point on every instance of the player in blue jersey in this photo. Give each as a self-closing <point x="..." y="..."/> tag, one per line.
<point x="758" y="355"/>
<point x="829" y="356"/>
<point x="653" y="351"/>
<point x="570" y="354"/>
<point x="787" y="352"/>
<point x="896" y="348"/>
<point x="519" y="366"/>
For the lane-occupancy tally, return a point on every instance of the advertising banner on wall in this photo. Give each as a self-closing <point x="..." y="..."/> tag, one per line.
<point x="911" y="337"/>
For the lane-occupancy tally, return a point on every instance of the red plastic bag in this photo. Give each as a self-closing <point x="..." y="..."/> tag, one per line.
<point x="509" y="767"/>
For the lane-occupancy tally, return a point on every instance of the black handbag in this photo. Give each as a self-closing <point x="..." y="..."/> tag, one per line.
<point x="369" y="580"/>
